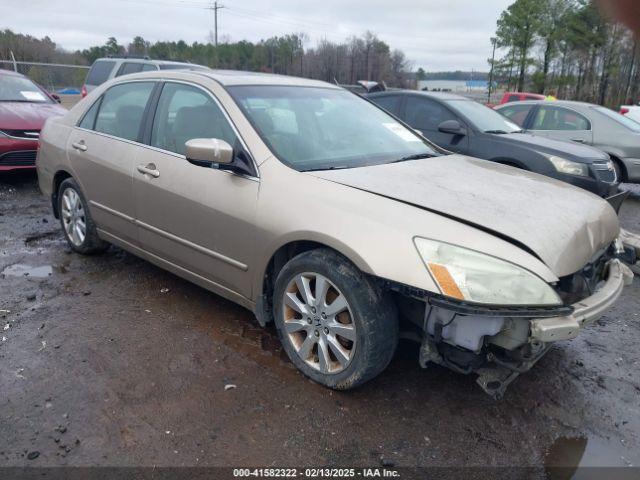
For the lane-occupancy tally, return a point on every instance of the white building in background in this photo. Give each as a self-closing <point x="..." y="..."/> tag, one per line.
<point x="455" y="86"/>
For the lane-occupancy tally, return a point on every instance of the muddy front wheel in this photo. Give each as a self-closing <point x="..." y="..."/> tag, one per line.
<point x="335" y="323"/>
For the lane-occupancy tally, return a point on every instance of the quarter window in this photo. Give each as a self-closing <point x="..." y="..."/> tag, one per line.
<point x="185" y="112"/>
<point x="122" y="109"/>
<point x="558" y="118"/>
<point x="100" y="72"/>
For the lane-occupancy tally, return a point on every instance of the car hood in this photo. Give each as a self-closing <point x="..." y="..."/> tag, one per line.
<point x="27" y="116"/>
<point x="579" y="152"/>
<point x="562" y="225"/>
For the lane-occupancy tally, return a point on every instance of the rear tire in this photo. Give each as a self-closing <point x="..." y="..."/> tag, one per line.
<point x="77" y="225"/>
<point x="345" y="337"/>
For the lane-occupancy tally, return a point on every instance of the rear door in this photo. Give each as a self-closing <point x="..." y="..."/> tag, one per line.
<point x="561" y="123"/>
<point x="103" y="149"/>
<point x="425" y="115"/>
<point x="197" y="218"/>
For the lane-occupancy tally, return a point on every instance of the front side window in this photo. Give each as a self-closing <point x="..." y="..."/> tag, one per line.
<point x="559" y="118"/>
<point x="316" y="128"/>
<point x="14" y="88"/>
<point x="517" y="113"/>
<point x="391" y="103"/>
<point x="100" y="72"/>
<point x="425" y="114"/>
<point x="185" y="112"/>
<point x="89" y="119"/>
<point x="482" y="117"/>
<point x="122" y="109"/>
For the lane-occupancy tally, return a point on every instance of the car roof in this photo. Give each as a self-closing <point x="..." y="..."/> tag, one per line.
<point x="10" y="73"/>
<point x="567" y="103"/>
<point x="436" y="95"/>
<point x="235" y="78"/>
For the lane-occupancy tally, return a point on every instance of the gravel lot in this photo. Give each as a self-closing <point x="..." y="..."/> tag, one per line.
<point x="108" y="360"/>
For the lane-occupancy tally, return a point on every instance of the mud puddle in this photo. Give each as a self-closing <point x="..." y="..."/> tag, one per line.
<point x="21" y="270"/>
<point x="575" y="458"/>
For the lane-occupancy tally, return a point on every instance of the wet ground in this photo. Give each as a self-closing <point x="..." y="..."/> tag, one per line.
<point x="108" y="360"/>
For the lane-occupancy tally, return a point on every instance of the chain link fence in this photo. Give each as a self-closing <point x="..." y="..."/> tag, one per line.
<point x="64" y="80"/>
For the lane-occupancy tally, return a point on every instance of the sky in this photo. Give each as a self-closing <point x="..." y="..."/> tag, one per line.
<point x="436" y="35"/>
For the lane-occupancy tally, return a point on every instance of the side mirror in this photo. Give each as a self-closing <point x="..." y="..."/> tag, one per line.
<point x="56" y="97"/>
<point x="453" y="127"/>
<point x="205" y="152"/>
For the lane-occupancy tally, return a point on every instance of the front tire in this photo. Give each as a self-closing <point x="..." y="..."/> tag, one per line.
<point x="335" y="323"/>
<point x="75" y="219"/>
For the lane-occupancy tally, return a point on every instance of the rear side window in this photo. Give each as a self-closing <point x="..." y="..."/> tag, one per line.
<point x="185" y="112"/>
<point x="129" y="67"/>
<point x="391" y="103"/>
<point x="513" y="98"/>
<point x="89" y="119"/>
<point x="99" y="72"/>
<point x="147" y="67"/>
<point x="516" y="113"/>
<point x="558" y="118"/>
<point x="122" y="109"/>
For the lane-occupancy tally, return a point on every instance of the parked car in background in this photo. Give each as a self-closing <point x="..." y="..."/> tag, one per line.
<point x="509" y="97"/>
<point x="24" y="107"/>
<point x="585" y="123"/>
<point x="321" y="212"/>
<point x="631" y="111"/>
<point x="464" y="126"/>
<point x="104" y="69"/>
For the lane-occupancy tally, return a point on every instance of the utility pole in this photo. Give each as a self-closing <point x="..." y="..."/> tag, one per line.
<point x="215" y="9"/>
<point x="494" y="40"/>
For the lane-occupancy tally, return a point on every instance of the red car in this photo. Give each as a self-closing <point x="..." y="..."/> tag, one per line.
<point x="24" y="107"/>
<point x="520" y="96"/>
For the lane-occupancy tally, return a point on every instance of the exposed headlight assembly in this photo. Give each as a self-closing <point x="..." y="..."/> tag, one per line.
<point x="563" y="165"/>
<point x="472" y="276"/>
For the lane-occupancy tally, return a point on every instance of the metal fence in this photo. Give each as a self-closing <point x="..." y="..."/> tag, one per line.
<point x="55" y="77"/>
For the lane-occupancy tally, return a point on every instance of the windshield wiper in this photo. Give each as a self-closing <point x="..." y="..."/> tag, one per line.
<point x="417" y="156"/>
<point x="497" y="132"/>
<point x="320" y="169"/>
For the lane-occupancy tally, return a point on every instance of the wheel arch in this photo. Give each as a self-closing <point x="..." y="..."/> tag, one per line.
<point x="59" y="177"/>
<point x="511" y="162"/>
<point x="285" y="251"/>
<point x="623" y="168"/>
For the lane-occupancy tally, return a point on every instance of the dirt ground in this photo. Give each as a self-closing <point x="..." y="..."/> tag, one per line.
<point x="108" y="360"/>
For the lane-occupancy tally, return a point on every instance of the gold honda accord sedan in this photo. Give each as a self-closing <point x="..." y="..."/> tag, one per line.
<point x="319" y="211"/>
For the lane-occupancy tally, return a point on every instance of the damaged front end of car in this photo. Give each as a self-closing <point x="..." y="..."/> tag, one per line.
<point x="498" y="341"/>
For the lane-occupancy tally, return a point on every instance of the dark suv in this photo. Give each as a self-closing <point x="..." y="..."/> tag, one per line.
<point x="467" y="127"/>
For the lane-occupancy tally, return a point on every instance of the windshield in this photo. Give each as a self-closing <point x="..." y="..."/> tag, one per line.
<point x="483" y="118"/>
<point x="325" y="128"/>
<point x="20" y="89"/>
<point x="621" y="119"/>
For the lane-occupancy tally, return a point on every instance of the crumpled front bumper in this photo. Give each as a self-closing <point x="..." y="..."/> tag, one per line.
<point x="587" y="310"/>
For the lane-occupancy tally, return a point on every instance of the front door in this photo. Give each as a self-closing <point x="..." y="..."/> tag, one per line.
<point x="198" y="218"/>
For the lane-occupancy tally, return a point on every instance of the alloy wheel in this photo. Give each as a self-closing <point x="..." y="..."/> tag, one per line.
<point x="319" y="323"/>
<point x="73" y="217"/>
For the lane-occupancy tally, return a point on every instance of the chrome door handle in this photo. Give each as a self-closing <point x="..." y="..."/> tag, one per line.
<point x="79" y="146"/>
<point x="579" y="140"/>
<point x="149" y="170"/>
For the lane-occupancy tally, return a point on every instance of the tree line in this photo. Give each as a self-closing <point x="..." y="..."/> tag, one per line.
<point x="569" y="49"/>
<point x="364" y="57"/>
